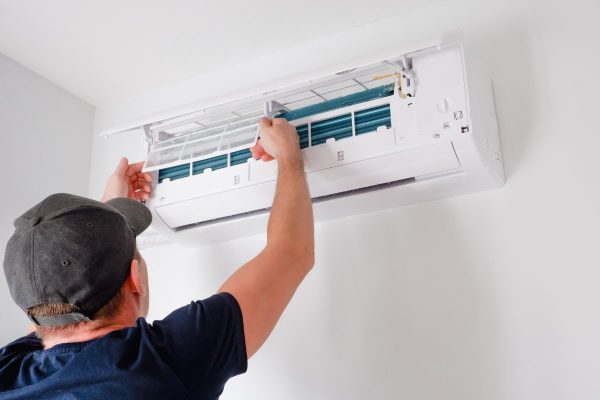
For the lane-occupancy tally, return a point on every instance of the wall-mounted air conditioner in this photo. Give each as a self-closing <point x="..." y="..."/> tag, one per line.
<point x="413" y="128"/>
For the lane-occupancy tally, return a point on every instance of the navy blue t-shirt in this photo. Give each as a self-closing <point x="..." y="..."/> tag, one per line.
<point x="188" y="355"/>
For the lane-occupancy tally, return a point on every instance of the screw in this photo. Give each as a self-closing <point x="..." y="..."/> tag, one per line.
<point x="340" y="156"/>
<point x="436" y="135"/>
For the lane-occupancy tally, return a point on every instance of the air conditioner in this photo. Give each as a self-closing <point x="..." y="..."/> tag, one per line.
<point x="414" y="128"/>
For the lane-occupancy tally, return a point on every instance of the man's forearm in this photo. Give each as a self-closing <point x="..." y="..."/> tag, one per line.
<point x="291" y="226"/>
<point x="264" y="285"/>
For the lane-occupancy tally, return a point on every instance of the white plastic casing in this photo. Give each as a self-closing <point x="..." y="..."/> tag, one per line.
<point x="443" y="142"/>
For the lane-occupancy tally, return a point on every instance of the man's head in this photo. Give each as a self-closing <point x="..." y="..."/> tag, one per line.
<point x="73" y="260"/>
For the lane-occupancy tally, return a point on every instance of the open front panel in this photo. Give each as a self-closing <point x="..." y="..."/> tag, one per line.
<point x="374" y="114"/>
<point x="228" y="128"/>
<point x="361" y="138"/>
<point x="333" y="108"/>
<point x="258" y="195"/>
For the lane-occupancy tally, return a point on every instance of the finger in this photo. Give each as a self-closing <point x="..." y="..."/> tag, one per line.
<point x="264" y="122"/>
<point x="142" y="196"/>
<point x="122" y="166"/>
<point x="140" y="176"/>
<point x="267" y="157"/>
<point x="130" y="189"/>
<point x="135" y="168"/>
<point x="142" y="185"/>
<point x="257" y="150"/>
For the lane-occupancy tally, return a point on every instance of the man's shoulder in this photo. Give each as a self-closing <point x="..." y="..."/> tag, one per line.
<point x="12" y="358"/>
<point x="23" y="345"/>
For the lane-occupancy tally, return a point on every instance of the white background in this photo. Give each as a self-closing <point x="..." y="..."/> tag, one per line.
<point x="493" y="295"/>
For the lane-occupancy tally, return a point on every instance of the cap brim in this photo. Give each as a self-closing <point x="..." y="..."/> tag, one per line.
<point x="137" y="215"/>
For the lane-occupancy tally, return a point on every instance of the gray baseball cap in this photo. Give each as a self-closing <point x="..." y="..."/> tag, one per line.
<point x="72" y="250"/>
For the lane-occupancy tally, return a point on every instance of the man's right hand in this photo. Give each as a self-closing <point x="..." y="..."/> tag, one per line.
<point x="278" y="139"/>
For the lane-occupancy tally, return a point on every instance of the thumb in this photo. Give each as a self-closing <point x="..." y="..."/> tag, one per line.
<point x="122" y="166"/>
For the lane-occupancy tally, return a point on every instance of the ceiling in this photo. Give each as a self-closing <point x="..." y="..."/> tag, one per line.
<point x="105" y="51"/>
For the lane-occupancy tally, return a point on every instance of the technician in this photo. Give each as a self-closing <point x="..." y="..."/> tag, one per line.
<point x="73" y="267"/>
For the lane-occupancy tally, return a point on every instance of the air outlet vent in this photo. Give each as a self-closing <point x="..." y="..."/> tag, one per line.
<point x="214" y="163"/>
<point x="336" y="127"/>
<point x="369" y="120"/>
<point x="240" y="156"/>
<point x="303" y="133"/>
<point x="172" y="173"/>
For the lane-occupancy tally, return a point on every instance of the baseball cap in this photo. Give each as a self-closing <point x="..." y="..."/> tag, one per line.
<point x="72" y="250"/>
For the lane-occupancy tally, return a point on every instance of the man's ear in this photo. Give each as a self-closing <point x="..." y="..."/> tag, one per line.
<point x="135" y="278"/>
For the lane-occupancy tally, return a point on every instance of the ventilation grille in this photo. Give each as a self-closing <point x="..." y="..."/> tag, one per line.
<point x="240" y="157"/>
<point x="213" y="163"/>
<point x="369" y="120"/>
<point x="303" y="133"/>
<point x="337" y="127"/>
<point x="311" y="134"/>
<point x="172" y="173"/>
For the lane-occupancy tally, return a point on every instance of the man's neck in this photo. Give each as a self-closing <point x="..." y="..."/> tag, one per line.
<point x="83" y="334"/>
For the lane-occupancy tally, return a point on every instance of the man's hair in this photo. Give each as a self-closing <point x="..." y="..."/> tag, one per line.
<point x="108" y="311"/>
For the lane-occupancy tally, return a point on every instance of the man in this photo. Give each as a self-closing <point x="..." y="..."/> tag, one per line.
<point x="73" y="267"/>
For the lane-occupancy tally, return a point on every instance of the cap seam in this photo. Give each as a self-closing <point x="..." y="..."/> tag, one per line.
<point x="37" y="214"/>
<point x="32" y="267"/>
<point x="21" y="231"/>
<point x="69" y="234"/>
<point x="66" y="210"/>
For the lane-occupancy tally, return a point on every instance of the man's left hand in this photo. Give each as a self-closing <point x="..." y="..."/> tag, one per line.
<point x="129" y="181"/>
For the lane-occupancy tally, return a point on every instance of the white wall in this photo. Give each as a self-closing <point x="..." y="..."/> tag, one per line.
<point x="488" y="296"/>
<point x="45" y="145"/>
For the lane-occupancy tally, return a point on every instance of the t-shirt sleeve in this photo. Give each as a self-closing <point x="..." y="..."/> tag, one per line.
<point x="203" y="341"/>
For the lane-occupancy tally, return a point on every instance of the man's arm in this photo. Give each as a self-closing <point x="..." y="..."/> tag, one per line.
<point x="264" y="286"/>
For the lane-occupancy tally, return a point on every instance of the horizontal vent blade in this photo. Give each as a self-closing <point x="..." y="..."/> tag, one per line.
<point x="240" y="156"/>
<point x="172" y="173"/>
<point x="214" y="163"/>
<point x="369" y="120"/>
<point x="337" y="127"/>
<point x="315" y="200"/>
